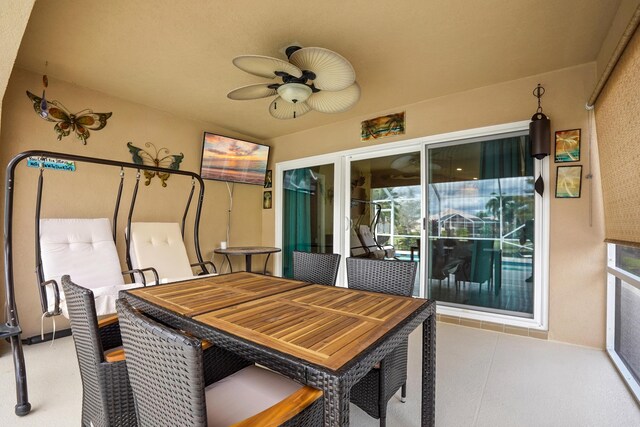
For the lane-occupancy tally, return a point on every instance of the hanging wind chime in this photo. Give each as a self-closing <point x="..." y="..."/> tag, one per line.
<point x="540" y="135"/>
<point x="53" y="111"/>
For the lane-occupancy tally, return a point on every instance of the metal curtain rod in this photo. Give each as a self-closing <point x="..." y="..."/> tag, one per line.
<point x="617" y="53"/>
<point x="11" y="329"/>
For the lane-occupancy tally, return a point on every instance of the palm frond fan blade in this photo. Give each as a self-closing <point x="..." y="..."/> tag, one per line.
<point x="333" y="72"/>
<point x="408" y="163"/>
<point x="281" y="109"/>
<point x="335" y="102"/>
<point x="265" y="66"/>
<point x="257" y="91"/>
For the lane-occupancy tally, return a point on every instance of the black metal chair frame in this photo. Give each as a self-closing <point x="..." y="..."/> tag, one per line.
<point x="39" y="268"/>
<point x="373" y="224"/>
<point x="11" y="328"/>
<point x="202" y="264"/>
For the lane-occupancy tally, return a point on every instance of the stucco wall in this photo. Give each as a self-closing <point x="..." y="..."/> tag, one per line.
<point x="577" y="251"/>
<point x="14" y="15"/>
<point x="91" y="190"/>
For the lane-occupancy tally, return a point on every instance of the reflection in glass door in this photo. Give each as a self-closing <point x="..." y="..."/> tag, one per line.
<point x="307" y="219"/>
<point x="385" y="208"/>
<point x="480" y="229"/>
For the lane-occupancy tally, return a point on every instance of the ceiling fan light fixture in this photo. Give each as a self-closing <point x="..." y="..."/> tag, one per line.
<point x="294" y="92"/>
<point x="312" y="78"/>
<point x="283" y="110"/>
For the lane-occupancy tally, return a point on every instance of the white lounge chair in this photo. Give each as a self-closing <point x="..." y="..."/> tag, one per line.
<point x="83" y="249"/>
<point x="160" y="245"/>
<point x="374" y="249"/>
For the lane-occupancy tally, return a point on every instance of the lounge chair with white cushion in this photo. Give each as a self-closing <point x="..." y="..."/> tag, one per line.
<point x="83" y="249"/>
<point x="160" y="245"/>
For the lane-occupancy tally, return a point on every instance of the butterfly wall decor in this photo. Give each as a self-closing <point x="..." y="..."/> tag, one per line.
<point x="80" y="123"/>
<point x="143" y="157"/>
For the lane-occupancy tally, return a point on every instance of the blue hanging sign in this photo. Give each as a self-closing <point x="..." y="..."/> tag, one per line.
<point x="51" y="163"/>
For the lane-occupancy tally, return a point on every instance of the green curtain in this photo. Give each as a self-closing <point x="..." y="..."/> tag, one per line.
<point x="506" y="158"/>
<point x="296" y="220"/>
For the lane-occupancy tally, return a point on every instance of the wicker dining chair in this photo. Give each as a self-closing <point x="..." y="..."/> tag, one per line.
<point x="315" y="268"/>
<point x="394" y="277"/>
<point x="166" y="371"/>
<point x="107" y="399"/>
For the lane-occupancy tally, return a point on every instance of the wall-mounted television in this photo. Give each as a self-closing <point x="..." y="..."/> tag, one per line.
<point x="233" y="160"/>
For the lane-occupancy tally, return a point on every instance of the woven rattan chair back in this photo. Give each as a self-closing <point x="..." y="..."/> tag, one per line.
<point x="106" y="395"/>
<point x="165" y="369"/>
<point x="372" y="392"/>
<point x="386" y="276"/>
<point x="320" y="269"/>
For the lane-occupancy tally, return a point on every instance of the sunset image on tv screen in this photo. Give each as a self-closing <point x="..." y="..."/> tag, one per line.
<point x="229" y="159"/>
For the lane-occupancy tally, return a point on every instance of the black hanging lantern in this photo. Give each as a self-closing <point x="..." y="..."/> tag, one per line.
<point x="540" y="129"/>
<point x="540" y="135"/>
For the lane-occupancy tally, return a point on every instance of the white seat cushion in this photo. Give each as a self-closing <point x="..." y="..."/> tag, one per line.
<point x="84" y="249"/>
<point x="160" y="245"/>
<point x="366" y="236"/>
<point x="356" y="248"/>
<point x="244" y="394"/>
<point x="105" y="297"/>
<point x="180" y="279"/>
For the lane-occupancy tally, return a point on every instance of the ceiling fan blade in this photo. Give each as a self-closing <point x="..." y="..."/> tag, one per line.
<point x="335" y="102"/>
<point x="256" y="91"/>
<point x="265" y="66"/>
<point x="281" y="109"/>
<point x="333" y="72"/>
<point x="408" y="163"/>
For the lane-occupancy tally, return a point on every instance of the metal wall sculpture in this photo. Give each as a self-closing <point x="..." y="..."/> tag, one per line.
<point x="54" y="111"/>
<point x="144" y="157"/>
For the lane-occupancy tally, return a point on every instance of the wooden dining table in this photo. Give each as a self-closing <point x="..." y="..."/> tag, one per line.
<point x="326" y="337"/>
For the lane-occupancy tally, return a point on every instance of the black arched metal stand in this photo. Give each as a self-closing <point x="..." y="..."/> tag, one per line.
<point x="11" y="329"/>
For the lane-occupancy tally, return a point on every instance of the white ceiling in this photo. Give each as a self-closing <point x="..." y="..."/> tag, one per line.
<point x="176" y="55"/>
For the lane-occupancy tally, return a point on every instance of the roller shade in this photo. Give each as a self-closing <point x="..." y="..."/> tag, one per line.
<point x="617" y="114"/>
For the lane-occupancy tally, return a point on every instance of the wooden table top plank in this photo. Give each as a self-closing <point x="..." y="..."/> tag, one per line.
<point x="344" y="328"/>
<point x="383" y="311"/>
<point x="335" y="325"/>
<point x="200" y="302"/>
<point x="299" y="327"/>
<point x="263" y="339"/>
<point x="324" y="325"/>
<point x="342" y="302"/>
<point x="278" y="313"/>
<point x="202" y="295"/>
<point x="369" y="305"/>
<point x="363" y="304"/>
<point x="346" y="341"/>
<point x="290" y="325"/>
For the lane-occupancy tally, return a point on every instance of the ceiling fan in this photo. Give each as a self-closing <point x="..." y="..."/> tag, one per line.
<point x="409" y="163"/>
<point x="314" y="78"/>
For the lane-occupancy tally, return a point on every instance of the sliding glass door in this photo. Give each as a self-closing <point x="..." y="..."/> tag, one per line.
<point x="462" y="205"/>
<point x="481" y="213"/>
<point x="385" y="207"/>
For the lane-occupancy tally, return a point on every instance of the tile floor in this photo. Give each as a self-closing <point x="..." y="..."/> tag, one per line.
<point x="484" y="378"/>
